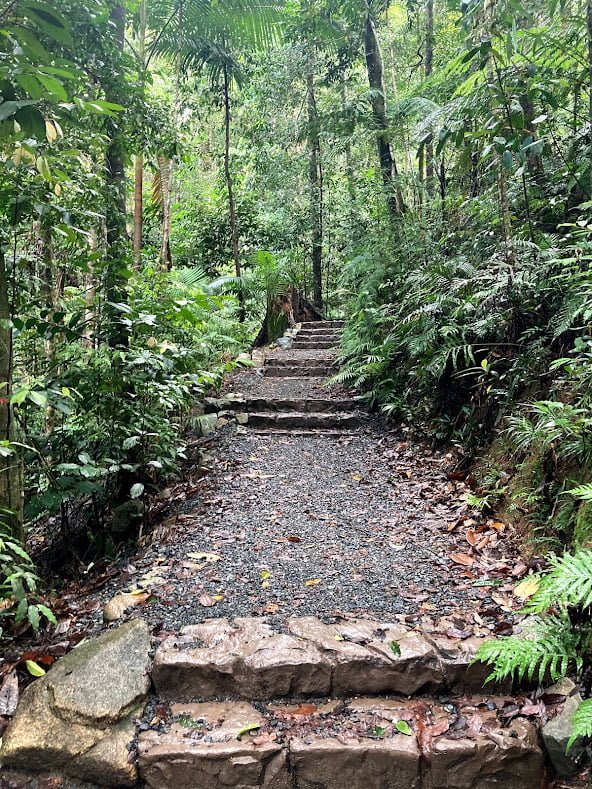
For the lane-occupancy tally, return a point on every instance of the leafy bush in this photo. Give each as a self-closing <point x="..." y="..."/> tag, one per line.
<point x="19" y="585"/>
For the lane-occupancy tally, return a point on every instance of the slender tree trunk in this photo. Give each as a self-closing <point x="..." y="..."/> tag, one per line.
<point x="11" y="465"/>
<point x="165" y="174"/>
<point x="138" y="207"/>
<point x="388" y="166"/>
<point x="228" y="178"/>
<point x="115" y="214"/>
<point x="589" y="38"/>
<point x="349" y="158"/>
<point x="429" y="64"/>
<point x="315" y="190"/>
<point x="139" y="160"/>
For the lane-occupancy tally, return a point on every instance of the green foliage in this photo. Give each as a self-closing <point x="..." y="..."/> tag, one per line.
<point x="558" y="639"/>
<point x="19" y="585"/>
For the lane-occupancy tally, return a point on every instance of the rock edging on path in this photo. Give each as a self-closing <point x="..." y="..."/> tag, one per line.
<point x="247" y="659"/>
<point x="80" y="719"/>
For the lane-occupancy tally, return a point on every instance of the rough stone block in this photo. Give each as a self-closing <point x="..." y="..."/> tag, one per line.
<point x="348" y="763"/>
<point x="508" y="758"/>
<point x="202" y="750"/>
<point x="65" y="720"/>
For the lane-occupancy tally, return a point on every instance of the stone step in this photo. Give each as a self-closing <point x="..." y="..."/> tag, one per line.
<point x="304" y="421"/>
<point x="331" y="334"/>
<point x="322" y="324"/>
<point x="313" y="405"/>
<point x="331" y="745"/>
<point x="313" y="345"/>
<point x="246" y="658"/>
<point x="279" y="371"/>
<point x="298" y="361"/>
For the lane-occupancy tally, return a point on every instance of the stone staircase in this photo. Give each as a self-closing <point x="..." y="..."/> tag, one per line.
<point x="318" y="706"/>
<point x="311" y="359"/>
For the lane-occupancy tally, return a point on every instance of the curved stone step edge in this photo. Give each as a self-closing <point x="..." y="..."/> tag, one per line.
<point x="354" y="744"/>
<point x="247" y="659"/>
<point x="302" y="405"/>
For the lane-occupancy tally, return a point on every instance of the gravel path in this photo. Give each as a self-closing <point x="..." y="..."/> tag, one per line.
<point x="366" y="523"/>
<point x="311" y="525"/>
<point x="253" y="384"/>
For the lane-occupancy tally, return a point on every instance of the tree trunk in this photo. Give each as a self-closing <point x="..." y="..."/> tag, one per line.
<point x="349" y="159"/>
<point x="165" y="175"/>
<point x="115" y="213"/>
<point x="11" y="465"/>
<point x="429" y="64"/>
<point x="388" y="166"/>
<point x="138" y="207"/>
<point x="230" y="192"/>
<point x="589" y="38"/>
<point x="315" y="190"/>
<point x="228" y="178"/>
<point x="139" y="161"/>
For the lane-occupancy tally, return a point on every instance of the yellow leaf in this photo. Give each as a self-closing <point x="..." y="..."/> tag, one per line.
<point x="527" y="587"/>
<point x="34" y="668"/>
<point x="50" y="131"/>
<point x="205" y="557"/>
<point x="312" y="582"/>
<point x="265" y="574"/>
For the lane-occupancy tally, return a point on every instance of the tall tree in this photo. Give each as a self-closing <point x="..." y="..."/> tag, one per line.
<point x="117" y="239"/>
<point x="375" y="69"/>
<point x="315" y="185"/>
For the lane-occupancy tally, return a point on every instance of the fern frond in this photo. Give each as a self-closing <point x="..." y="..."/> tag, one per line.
<point x="569" y="582"/>
<point x="551" y="648"/>
<point x="582" y="492"/>
<point x="581" y="722"/>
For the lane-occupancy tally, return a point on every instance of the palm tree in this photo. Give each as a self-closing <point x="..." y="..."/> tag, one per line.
<point x="204" y="36"/>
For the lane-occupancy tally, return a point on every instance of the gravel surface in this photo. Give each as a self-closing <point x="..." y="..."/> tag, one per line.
<point x="363" y="523"/>
<point x="303" y="353"/>
<point x="308" y="525"/>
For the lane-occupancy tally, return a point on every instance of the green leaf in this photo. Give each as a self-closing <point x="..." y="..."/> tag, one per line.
<point x="34" y="668"/>
<point x="39" y="398"/>
<point x="53" y="86"/>
<point x="20" y="396"/>
<point x="395" y="648"/>
<point x="49" y="20"/>
<point x="31" y="122"/>
<point x="137" y="490"/>
<point x="33" y="616"/>
<point x="31" y="85"/>
<point x="43" y="167"/>
<point x="47" y="613"/>
<point x="404" y="728"/>
<point x="246" y="729"/>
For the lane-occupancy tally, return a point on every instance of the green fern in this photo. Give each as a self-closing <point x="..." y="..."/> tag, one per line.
<point x="581" y="722"/>
<point x="550" y="648"/>
<point x="569" y="583"/>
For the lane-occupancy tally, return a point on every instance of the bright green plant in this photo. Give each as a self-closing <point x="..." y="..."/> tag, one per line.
<point x="19" y="585"/>
<point x="558" y="639"/>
